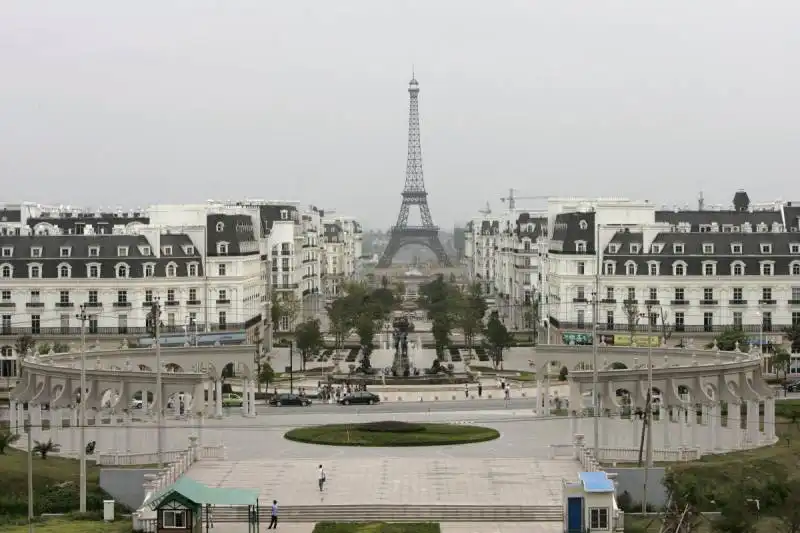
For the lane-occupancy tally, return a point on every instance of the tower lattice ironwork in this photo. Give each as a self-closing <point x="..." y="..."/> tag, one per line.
<point x="414" y="194"/>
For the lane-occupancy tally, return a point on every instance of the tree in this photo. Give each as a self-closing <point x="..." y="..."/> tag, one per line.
<point x="737" y="514"/>
<point x="498" y="338"/>
<point x="781" y="360"/>
<point x="441" y="334"/>
<point x="266" y="375"/>
<point x="6" y="440"/>
<point x="365" y="329"/>
<point x="60" y="347"/>
<point x="288" y="307"/>
<point x="340" y="321"/>
<point x="443" y="302"/>
<point x="632" y="316"/>
<point x="308" y="338"/>
<point x="470" y="317"/>
<point x="793" y="334"/>
<point x="666" y="327"/>
<point x="728" y="338"/>
<point x="23" y="344"/>
<point x="44" y="448"/>
<point x="788" y="510"/>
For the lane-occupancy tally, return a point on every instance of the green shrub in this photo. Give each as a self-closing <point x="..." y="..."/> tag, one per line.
<point x="391" y="426"/>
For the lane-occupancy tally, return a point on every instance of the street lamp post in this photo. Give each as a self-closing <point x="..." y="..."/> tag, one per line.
<point x="82" y="412"/>
<point x="156" y="318"/>
<point x="648" y="415"/>
<point x="595" y="311"/>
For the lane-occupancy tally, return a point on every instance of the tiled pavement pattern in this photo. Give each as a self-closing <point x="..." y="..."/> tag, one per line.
<point x="503" y="527"/>
<point x="387" y="480"/>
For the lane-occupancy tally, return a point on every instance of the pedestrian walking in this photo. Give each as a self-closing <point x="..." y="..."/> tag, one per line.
<point x="321" y="477"/>
<point x="466" y="391"/>
<point x="480" y="390"/>
<point x="273" y="520"/>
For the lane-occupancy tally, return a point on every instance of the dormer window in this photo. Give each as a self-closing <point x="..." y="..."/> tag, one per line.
<point x="145" y="250"/>
<point x="583" y="224"/>
<point x="94" y="251"/>
<point x="35" y="271"/>
<point x="284" y="214"/>
<point x="766" y="248"/>
<point x="630" y="268"/>
<point x="8" y="251"/>
<point x="794" y="248"/>
<point x="613" y="248"/>
<point x="122" y="251"/>
<point x="36" y="251"/>
<point x="64" y="271"/>
<point x="188" y="250"/>
<point x="708" y="248"/>
<point x="737" y="268"/>
<point x="652" y="269"/>
<point x="172" y="270"/>
<point x="220" y="227"/>
<point x="656" y="248"/>
<point x="678" y="268"/>
<point x="767" y="268"/>
<point x="609" y="268"/>
<point x="736" y="248"/>
<point x="677" y="248"/>
<point x="709" y="268"/>
<point x="123" y="271"/>
<point x="149" y="270"/>
<point x="222" y="248"/>
<point x="635" y="248"/>
<point x="193" y="269"/>
<point x="580" y="247"/>
<point x="166" y="250"/>
<point x="65" y="251"/>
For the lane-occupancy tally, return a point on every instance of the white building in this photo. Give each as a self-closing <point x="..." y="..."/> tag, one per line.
<point x="342" y="244"/>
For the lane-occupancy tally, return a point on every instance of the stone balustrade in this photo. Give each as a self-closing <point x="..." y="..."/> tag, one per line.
<point x="133" y="459"/>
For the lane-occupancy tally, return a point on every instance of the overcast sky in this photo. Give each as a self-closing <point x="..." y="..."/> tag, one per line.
<point x="135" y="102"/>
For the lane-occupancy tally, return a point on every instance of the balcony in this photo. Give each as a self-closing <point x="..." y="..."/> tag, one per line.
<point x="148" y="303"/>
<point x="629" y="301"/>
<point x="172" y="303"/>
<point x="794" y="302"/>
<point x="652" y="302"/>
<point x="193" y="302"/>
<point x="709" y="302"/>
<point x="767" y="302"/>
<point x="285" y="286"/>
<point x="579" y="300"/>
<point x="223" y="301"/>
<point x="93" y="304"/>
<point x="608" y="301"/>
<point x="680" y="302"/>
<point x="122" y="305"/>
<point x="643" y="328"/>
<point x="65" y="305"/>
<point x="114" y="331"/>
<point x="7" y="305"/>
<point x="737" y="302"/>
<point x="34" y="305"/>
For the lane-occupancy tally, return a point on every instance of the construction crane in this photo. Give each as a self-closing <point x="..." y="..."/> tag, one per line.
<point x="512" y="198"/>
<point x="486" y="210"/>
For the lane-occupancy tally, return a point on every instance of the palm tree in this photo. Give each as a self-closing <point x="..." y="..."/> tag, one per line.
<point x="43" y="448"/>
<point x="6" y="440"/>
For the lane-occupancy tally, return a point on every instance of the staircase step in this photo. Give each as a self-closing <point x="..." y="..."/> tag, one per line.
<point x="399" y="513"/>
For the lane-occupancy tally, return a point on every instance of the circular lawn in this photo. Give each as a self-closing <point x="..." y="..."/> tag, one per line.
<point x="391" y="433"/>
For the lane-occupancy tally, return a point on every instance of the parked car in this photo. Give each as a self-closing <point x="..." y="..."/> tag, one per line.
<point x="360" y="397"/>
<point x="289" y="399"/>
<point x="231" y="399"/>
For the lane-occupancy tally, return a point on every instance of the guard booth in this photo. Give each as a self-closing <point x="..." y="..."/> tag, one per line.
<point x="590" y="504"/>
<point x="179" y="507"/>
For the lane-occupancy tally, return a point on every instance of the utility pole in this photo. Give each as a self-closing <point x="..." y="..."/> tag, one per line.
<point x="30" y="478"/>
<point x="291" y="371"/>
<point x="155" y="313"/>
<point x="648" y="414"/>
<point x="82" y="410"/>
<point x="595" y="310"/>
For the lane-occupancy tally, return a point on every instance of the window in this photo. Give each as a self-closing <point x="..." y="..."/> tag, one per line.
<point x="580" y="294"/>
<point x="63" y="297"/>
<point x="708" y="248"/>
<point x="148" y="296"/>
<point x="222" y="294"/>
<point x="581" y="319"/>
<point x="738" y="294"/>
<point x="222" y="248"/>
<point x="174" y="519"/>
<point x="737" y="320"/>
<point x="656" y="248"/>
<point x="193" y="269"/>
<point x="609" y="268"/>
<point x="6" y="271"/>
<point x="65" y="251"/>
<point x="167" y="250"/>
<point x="630" y="268"/>
<point x="708" y="322"/>
<point x="766" y="321"/>
<point x="189" y="250"/>
<point x="172" y="270"/>
<point x="64" y="270"/>
<point x="35" y="271"/>
<point x="123" y="271"/>
<point x="795" y="269"/>
<point x="122" y="297"/>
<point x="737" y="269"/>
<point x="285" y="263"/>
<point x="581" y="268"/>
<point x="5" y="296"/>
<point x="677" y="248"/>
<point x="220" y="227"/>
<point x="795" y="318"/>
<point x="580" y="247"/>
<point x="223" y="319"/>
<point x="122" y="251"/>
<point x="149" y="270"/>
<point x="652" y="268"/>
<point x="93" y="270"/>
<point x="796" y="293"/>
<point x="35" y="297"/>
<point x="613" y="248"/>
<point x="598" y="518"/>
<point x="170" y="295"/>
<point x="794" y="248"/>
<point x="64" y="319"/>
<point x="766" y="293"/>
<point x="221" y="270"/>
<point x="122" y="324"/>
<point x="94" y="251"/>
<point x="609" y="293"/>
<point x="36" y="251"/>
<point x="192" y="295"/>
<point x="284" y="214"/>
<point x="678" y="268"/>
<point x="709" y="269"/>
<point x="610" y="320"/>
<point x="36" y="324"/>
<point x="93" y="297"/>
<point x="679" y="294"/>
<point x="708" y="294"/>
<point x="766" y="248"/>
<point x="736" y="248"/>
<point x="767" y="268"/>
<point x="653" y="293"/>
<point x="145" y="250"/>
<point x="653" y="319"/>
<point x="680" y="321"/>
<point x="8" y="251"/>
<point x="93" y="324"/>
<point x="635" y="247"/>
<point x="631" y="294"/>
<point x="285" y="248"/>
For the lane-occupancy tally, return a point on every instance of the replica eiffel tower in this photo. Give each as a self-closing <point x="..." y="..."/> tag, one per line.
<point x="414" y="194"/>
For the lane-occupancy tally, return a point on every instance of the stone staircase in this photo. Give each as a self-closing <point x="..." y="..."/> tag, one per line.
<point x="398" y="513"/>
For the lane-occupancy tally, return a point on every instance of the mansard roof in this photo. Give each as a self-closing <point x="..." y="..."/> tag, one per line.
<point x="234" y="230"/>
<point x="781" y="244"/>
<point x="10" y="215"/>
<point x="76" y="222"/>
<point x="571" y="228"/>
<point x="722" y="218"/>
<point x="490" y="227"/>
<point x="531" y="226"/>
<point x="271" y="213"/>
<point x="79" y="245"/>
<point x="332" y="230"/>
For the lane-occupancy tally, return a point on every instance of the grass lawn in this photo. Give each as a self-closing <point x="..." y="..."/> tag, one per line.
<point x="376" y="527"/>
<point x="392" y="433"/>
<point x="58" y="525"/>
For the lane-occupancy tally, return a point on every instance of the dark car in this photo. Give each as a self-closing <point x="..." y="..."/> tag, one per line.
<point x="289" y="399"/>
<point x="360" y="397"/>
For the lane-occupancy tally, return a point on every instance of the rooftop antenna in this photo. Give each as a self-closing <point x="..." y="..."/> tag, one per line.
<point x="701" y="202"/>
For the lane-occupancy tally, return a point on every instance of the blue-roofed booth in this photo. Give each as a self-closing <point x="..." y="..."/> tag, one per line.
<point x="590" y="504"/>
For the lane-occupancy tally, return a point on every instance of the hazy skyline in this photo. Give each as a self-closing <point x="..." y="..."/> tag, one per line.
<point x="132" y="103"/>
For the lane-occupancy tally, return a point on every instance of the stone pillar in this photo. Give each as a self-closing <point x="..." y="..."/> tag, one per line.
<point x="218" y="399"/>
<point x="245" y="397"/>
<point x="539" y="406"/>
<point x="769" y="419"/>
<point x="665" y="416"/>
<point x="73" y="430"/>
<point x="713" y="425"/>
<point x="56" y="424"/>
<point x="13" y="418"/>
<point x="194" y="451"/>
<point x="200" y="418"/>
<point x="252" y="409"/>
<point x="547" y="396"/>
<point x="734" y="425"/>
<point x="753" y="422"/>
<point x="36" y="421"/>
<point x="636" y="425"/>
<point x="127" y="420"/>
<point x="681" y="426"/>
<point x="21" y="415"/>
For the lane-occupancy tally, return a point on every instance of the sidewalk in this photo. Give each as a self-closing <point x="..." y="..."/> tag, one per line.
<point x="447" y="527"/>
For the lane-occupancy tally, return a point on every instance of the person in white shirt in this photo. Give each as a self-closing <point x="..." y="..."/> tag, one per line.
<point x="321" y="477"/>
<point x="273" y="520"/>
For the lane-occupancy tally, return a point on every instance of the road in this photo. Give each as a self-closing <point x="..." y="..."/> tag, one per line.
<point x="401" y="407"/>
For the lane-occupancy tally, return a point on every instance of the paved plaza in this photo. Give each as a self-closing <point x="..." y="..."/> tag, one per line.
<point x="458" y="527"/>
